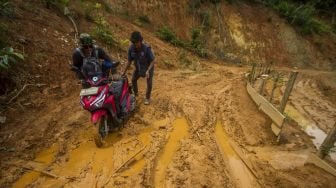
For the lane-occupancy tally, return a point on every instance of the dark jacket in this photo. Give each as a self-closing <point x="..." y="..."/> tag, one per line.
<point x="98" y="54"/>
<point x="142" y="58"/>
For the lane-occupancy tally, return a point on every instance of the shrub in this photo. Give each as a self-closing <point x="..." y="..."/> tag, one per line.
<point x="105" y="35"/>
<point x="144" y="19"/>
<point x="206" y="20"/>
<point x="103" y="32"/>
<point x="197" y="43"/>
<point x="195" y="37"/>
<point x="166" y="33"/>
<point x="186" y="62"/>
<point x="300" y="15"/>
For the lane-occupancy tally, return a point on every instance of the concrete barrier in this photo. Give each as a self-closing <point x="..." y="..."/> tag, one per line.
<point x="266" y="107"/>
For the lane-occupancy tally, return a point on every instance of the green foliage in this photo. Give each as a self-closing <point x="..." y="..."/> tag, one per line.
<point x="187" y="62"/>
<point x="105" y="35"/>
<point x="167" y="34"/>
<point x="103" y="32"/>
<point x="89" y="9"/>
<point x="92" y="8"/>
<point x="197" y="43"/>
<point x="325" y="5"/>
<point x="144" y="19"/>
<point x="8" y="56"/>
<point x="301" y="15"/>
<point x="63" y="2"/>
<point x="206" y="20"/>
<point x="6" y="8"/>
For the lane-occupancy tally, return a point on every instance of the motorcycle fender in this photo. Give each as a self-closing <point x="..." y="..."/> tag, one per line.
<point x="96" y="115"/>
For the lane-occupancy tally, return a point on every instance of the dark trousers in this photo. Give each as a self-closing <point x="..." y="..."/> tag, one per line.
<point x="135" y="78"/>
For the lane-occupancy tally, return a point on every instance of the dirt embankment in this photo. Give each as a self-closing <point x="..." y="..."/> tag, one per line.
<point x="179" y="135"/>
<point x="240" y="32"/>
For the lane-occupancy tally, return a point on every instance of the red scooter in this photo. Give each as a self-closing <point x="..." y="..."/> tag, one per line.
<point x="109" y="101"/>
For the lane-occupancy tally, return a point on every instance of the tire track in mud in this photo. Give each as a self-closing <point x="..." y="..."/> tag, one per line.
<point x="187" y="156"/>
<point x="198" y="162"/>
<point x="243" y="177"/>
<point x="180" y="131"/>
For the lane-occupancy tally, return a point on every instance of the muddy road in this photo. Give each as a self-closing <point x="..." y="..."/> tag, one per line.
<point x="201" y="130"/>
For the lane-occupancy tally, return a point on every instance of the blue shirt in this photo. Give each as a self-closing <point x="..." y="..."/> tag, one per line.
<point x="142" y="58"/>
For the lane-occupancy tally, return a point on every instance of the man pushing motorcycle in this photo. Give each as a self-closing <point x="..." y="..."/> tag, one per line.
<point x="109" y="101"/>
<point x="143" y="58"/>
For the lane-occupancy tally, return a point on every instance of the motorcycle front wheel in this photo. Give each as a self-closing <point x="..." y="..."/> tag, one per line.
<point x="102" y="132"/>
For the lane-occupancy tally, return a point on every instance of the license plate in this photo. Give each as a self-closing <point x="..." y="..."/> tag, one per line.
<point x="89" y="91"/>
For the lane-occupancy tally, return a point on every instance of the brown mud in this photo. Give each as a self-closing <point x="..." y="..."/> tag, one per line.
<point x="187" y="137"/>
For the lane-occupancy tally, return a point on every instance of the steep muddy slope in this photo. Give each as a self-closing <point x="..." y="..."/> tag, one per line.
<point x="240" y="32"/>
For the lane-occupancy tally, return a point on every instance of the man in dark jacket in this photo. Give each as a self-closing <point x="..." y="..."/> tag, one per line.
<point x="143" y="58"/>
<point x="87" y="58"/>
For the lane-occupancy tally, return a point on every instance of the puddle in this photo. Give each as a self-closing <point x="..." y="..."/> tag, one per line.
<point x="91" y="165"/>
<point x="45" y="158"/>
<point x="180" y="131"/>
<point x="309" y="127"/>
<point x="241" y="174"/>
<point x="137" y="166"/>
